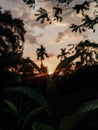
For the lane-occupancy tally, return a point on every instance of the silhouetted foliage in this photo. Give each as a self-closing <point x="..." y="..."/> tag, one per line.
<point x="81" y="7"/>
<point x="31" y="3"/>
<point x="43" y="16"/>
<point x="11" y="43"/>
<point x="87" y="23"/>
<point x="65" y="1"/>
<point x="84" y="78"/>
<point x="59" y="11"/>
<point x="57" y="14"/>
<point x="26" y="69"/>
<point x="41" y="53"/>
<point x="63" y="54"/>
<point x="11" y="35"/>
<point x="90" y="57"/>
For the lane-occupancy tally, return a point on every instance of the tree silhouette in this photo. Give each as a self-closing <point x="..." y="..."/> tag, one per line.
<point x="31" y="3"/>
<point x="57" y="14"/>
<point x="11" y="43"/>
<point x="43" y="16"/>
<point x="85" y="53"/>
<point x="41" y="53"/>
<point x="11" y="34"/>
<point x="26" y="68"/>
<point x="88" y="54"/>
<point x="90" y="57"/>
<point x="63" y="54"/>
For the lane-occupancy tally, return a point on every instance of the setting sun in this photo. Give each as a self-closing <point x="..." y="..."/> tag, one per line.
<point x="51" y="64"/>
<point x="50" y="72"/>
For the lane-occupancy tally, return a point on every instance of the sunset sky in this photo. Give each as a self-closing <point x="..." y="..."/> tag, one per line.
<point x="52" y="36"/>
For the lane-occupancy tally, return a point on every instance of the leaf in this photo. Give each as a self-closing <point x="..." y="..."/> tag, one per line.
<point x="12" y="107"/>
<point x="35" y="66"/>
<point x="37" y="14"/>
<point x="43" y="15"/>
<point x="42" y="21"/>
<point x="31" y="115"/>
<point x="38" y="18"/>
<point x="62" y="65"/>
<point x="25" y="91"/>
<point x="89" y="106"/>
<point x="69" y="122"/>
<point x="66" y="62"/>
<point x="83" y="29"/>
<point x="65" y="1"/>
<point x="40" y="126"/>
<point x="29" y="1"/>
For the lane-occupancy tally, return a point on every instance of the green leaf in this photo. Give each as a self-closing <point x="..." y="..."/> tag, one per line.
<point x="31" y="115"/>
<point x="12" y="107"/>
<point x="69" y="122"/>
<point x="89" y="106"/>
<point x="26" y="91"/>
<point x="40" y="126"/>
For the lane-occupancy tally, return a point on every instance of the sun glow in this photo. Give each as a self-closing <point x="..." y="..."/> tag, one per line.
<point x="50" y="72"/>
<point x="51" y="64"/>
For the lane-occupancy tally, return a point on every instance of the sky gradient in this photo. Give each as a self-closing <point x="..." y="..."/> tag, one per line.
<point x="54" y="36"/>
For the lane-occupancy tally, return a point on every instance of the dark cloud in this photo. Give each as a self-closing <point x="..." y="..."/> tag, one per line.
<point x="51" y="54"/>
<point x="13" y="1"/>
<point x="60" y="36"/>
<point x="68" y="35"/>
<point x="31" y="39"/>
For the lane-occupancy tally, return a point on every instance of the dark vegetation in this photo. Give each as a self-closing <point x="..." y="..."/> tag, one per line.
<point x="32" y="99"/>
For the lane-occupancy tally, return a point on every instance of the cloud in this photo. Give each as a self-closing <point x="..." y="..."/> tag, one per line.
<point x="51" y="55"/>
<point x="69" y="36"/>
<point x="31" y="39"/>
<point x="60" y="36"/>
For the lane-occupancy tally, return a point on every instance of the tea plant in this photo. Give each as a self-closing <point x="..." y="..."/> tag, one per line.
<point x="25" y="119"/>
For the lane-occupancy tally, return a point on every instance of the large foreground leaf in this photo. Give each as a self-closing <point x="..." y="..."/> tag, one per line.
<point x="31" y="115"/>
<point x="89" y="106"/>
<point x="26" y="91"/>
<point x="69" y="122"/>
<point x="66" y="62"/>
<point x="40" y="126"/>
<point x="12" y="107"/>
<point x="61" y="66"/>
<point x="34" y="65"/>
